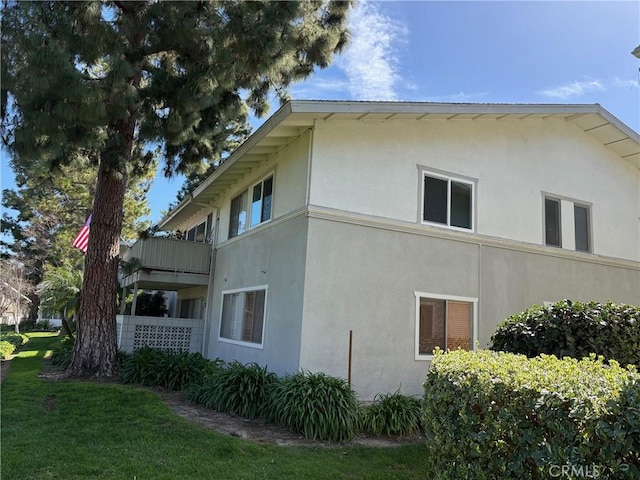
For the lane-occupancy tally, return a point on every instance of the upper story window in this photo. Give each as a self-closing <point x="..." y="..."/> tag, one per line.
<point x="552" y="223"/>
<point x="261" y="201"/>
<point x="257" y="212"/>
<point x="447" y="201"/>
<point x="238" y="222"/>
<point x="555" y="211"/>
<point x="197" y="233"/>
<point x="581" y="221"/>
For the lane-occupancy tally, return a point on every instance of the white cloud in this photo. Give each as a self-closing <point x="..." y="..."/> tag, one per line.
<point x="574" y="89"/>
<point x="618" y="82"/>
<point x="370" y="62"/>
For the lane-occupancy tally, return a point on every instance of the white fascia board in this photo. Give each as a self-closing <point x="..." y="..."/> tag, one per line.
<point x="249" y="143"/>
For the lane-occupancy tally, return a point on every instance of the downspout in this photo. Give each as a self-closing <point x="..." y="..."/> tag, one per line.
<point x="212" y="272"/>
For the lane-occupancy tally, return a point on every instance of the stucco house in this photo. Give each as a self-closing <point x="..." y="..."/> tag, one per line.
<point x="353" y="238"/>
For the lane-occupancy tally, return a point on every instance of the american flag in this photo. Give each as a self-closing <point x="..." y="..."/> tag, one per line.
<point x="82" y="239"/>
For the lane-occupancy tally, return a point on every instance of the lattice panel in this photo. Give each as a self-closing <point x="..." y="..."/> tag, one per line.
<point x="168" y="338"/>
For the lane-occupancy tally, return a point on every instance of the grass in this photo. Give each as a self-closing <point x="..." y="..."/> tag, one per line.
<point x="80" y="429"/>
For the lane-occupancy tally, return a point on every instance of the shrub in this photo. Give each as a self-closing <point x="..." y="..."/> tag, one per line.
<point x="153" y="367"/>
<point x="17" y="339"/>
<point x="239" y="389"/>
<point x="9" y="341"/>
<point x="499" y="415"/>
<point x="63" y="353"/>
<point x="573" y="329"/>
<point x="316" y="405"/>
<point x="6" y="348"/>
<point x="392" y="414"/>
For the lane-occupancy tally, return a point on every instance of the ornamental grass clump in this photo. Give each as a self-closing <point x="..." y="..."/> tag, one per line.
<point x="239" y="389"/>
<point x="157" y="368"/>
<point x="316" y="405"/>
<point x="62" y="353"/>
<point x="392" y="414"/>
<point x="490" y="415"/>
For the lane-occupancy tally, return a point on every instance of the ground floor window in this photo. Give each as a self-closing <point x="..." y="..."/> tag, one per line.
<point x="443" y="322"/>
<point x="243" y="315"/>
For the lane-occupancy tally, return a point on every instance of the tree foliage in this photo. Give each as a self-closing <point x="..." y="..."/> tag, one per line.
<point x="110" y="80"/>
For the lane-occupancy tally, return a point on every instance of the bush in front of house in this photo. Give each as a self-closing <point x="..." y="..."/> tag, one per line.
<point x="6" y="348"/>
<point x="392" y="414"/>
<point x="154" y="367"/>
<point x="239" y="389"/>
<point x="490" y="415"/>
<point x="62" y="353"/>
<point x="314" y="404"/>
<point x="573" y="329"/>
<point x="9" y="341"/>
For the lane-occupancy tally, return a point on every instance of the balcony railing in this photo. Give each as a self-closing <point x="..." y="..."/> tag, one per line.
<point x="169" y="254"/>
<point x="167" y="263"/>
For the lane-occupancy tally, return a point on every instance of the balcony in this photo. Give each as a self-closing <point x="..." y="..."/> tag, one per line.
<point x="166" y="264"/>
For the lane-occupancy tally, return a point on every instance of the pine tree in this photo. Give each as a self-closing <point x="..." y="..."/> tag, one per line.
<point x="114" y="78"/>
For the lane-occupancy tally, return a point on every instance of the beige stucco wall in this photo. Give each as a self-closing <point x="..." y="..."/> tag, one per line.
<point x="289" y="168"/>
<point x="372" y="167"/>
<point x="361" y="276"/>
<point x="272" y="256"/>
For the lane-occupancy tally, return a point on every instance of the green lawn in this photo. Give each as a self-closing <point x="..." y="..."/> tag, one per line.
<point x="80" y="429"/>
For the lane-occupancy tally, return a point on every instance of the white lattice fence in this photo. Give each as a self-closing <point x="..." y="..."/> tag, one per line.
<point x="174" y="334"/>
<point x="162" y="337"/>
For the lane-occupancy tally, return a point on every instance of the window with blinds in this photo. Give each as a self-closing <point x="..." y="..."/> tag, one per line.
<point x="243" y="314"/>
<point x="443" y="323"/>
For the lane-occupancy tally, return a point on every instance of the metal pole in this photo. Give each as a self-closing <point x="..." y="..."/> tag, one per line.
<point x="350" y="353"/>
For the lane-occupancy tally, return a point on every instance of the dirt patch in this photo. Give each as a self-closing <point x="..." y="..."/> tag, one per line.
<point x="259" y="431"/>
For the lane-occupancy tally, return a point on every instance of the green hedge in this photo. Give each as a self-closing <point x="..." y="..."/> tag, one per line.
<point x="9" y="341"/>
<point x="573" y="329"/>
<point x="492" y="415"/>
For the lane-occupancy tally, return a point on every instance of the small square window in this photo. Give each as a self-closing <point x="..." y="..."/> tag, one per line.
<point x="447" y="201"/>
<point x="443" y="323"/>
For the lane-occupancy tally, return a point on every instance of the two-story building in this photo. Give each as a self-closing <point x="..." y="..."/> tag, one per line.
<point x="353" y="238"/>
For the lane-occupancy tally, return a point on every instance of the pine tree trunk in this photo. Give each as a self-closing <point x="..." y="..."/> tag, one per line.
<point x="95" y="353"/>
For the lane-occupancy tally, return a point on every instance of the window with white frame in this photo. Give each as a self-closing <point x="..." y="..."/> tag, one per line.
<point x="243" y="316"/>
<point x="199" y="233"/>
<point x="238" y="220"/>
<point x="443" y="322"/>
<point x="261" y="201"/>
<point x="555" y="209"/>
<point x="246" y="215"/>
<point x="552" y="222"/>
<point x="582" y="226"/>
<point x="447" y="201"/>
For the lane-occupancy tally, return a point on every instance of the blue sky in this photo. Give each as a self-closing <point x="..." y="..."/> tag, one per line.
<point x="477" y="51"/>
